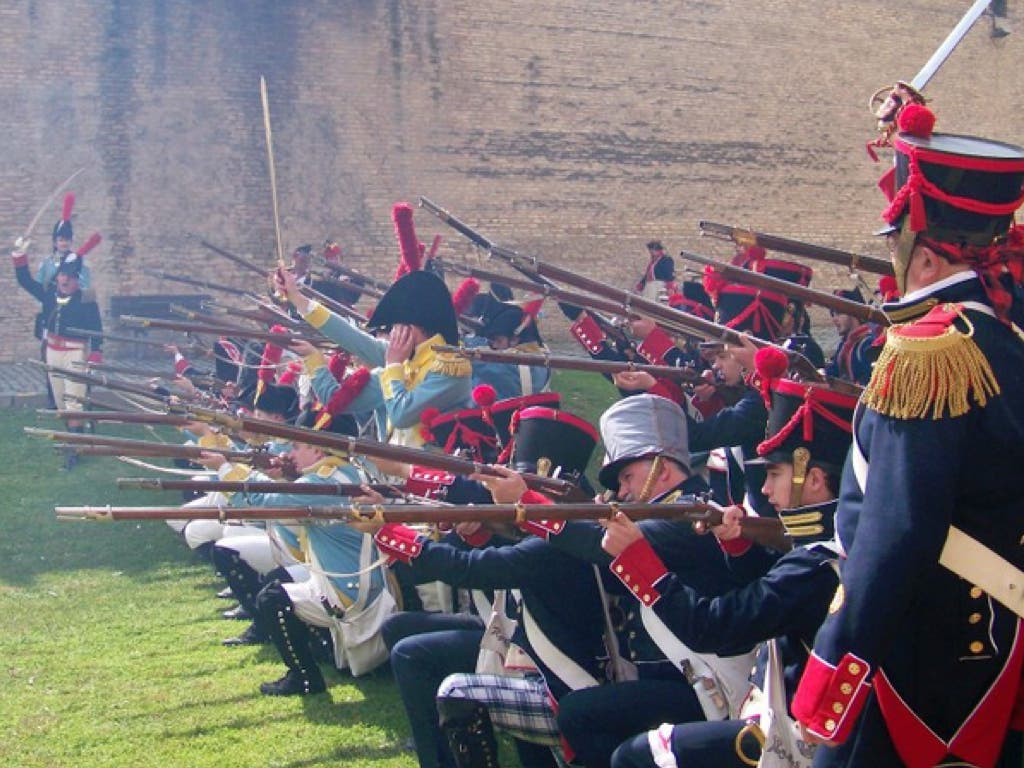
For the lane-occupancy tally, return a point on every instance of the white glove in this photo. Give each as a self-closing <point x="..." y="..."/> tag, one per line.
<point x="21" y="244"/>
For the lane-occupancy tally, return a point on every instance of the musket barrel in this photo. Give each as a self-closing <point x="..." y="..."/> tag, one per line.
<point x="745" y="237"/>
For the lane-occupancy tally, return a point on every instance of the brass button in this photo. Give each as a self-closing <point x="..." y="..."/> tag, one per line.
<point x="853" y="668"/>
<point x="618" y="569"/>
<point x="974" y="618"/>
<point x="846" y="689"/>
<point x="976" y="592"/>
<point x="977" y="646"/>
<point x="837" y="707"/>
<point x="830" y="724"/>
<point x="626" y="578"/>
<point x="647" y="598"/>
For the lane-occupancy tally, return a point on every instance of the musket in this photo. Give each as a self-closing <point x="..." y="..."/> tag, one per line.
<point x="239" y="260"/>
<point x="191" y="346"/>
<point x="746" y="237"/>
<point x="355" y="275"/>
<point x="281" y="339"/>
<point x="122" y="417"/>
<point x="101" y="380"/>
<point x="364" y="289"/>
<point x="334" y="306"/>
<point x="863" y="312"/>
<point x="345" y="445"/>
<point x="539" y="281"/>
<point x="198" y="283"/>
<point x="245" y="486"/>
<point x="633" y="304"/>
<point x="198" y="379"/>
<point x="53" y="196"/>
<point x="130" y="446"/>
<point x="759" y="529"/>
<point x="569" y="362"/>
<point x="216" y="314"/>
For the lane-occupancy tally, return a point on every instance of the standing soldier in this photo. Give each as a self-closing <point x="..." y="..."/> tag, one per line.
<point x="920" y="661"/>
<point x="856" y="352"/>
<point x="658" y="279"/>
<point x="66" y="310"/>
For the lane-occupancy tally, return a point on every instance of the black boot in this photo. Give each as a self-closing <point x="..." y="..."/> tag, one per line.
<point x="467" y="726"/>
<point x="292" y="638"/>
<point x="70" y="454"/>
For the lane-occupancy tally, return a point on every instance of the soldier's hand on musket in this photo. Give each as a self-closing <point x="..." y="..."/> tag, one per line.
<point x="285" y="283"/>
<point x="210" y="460"/>
<point x="301" y="348"/>
<point x="619" y="533"/>
<point x="744" y="352"/>
<point x="729" y="529"/>
<point x="634" y="380"/>
<point x="401" y="343"/>
<point x="21" y="245"/>
<point x="641" y="327"/>
<point x="368" y="498"/>
<point x="507" y="487"/>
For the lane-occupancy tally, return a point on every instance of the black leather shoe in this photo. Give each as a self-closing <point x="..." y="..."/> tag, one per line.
<point x="251" y="636"/>
<point x="294" y="684"/>
<point x="238" y="612"/>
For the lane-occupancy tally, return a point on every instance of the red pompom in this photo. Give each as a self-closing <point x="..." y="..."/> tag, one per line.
<point x="69" y="205"/>
<point x="484" y="395"/>
<point x="468" y="290"/>
<point x="348" y="391"/>
<point x="888" y="289"/>
<point x="771" y="363"/>
<point x="427" y="416"/>
<point x="290" y="375"/>
<point x="408" y="245"/>
<point x="338" y="363"/>
<point x="917" y="120"/>
<point x="94" y="240"/>
<point x="713" y="282"/>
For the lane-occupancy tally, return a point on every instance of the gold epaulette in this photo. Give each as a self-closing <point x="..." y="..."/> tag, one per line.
<point x="451" y="365"/>
<point x="326" y="466"/>
<point x="929" y="368"/>
<point x="215" y="440"/>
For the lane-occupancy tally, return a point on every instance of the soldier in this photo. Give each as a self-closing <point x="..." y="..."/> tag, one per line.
<point x="65" y="305"/>
<point x="856" y="352"/>
<point x="658" y="279"/>
<point x="807" y="441"/>
<point x="409" y="376"/>
<point x="63" y="236"/>
<point x="509" y="327"/>
<point x="919" y="662"/>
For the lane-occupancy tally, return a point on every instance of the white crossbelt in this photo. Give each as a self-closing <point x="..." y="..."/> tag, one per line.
<point x="970" y="559"/>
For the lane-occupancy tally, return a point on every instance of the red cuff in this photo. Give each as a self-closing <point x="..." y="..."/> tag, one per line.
<point x="398" y="542"/>
<point x="736" y="547"/>
<point x="180" y="365"/>
<point x="478" y="539"/>
<point x="19" y="259"/>
<point x="656" y="345"/>
<point x="95" y="357"/>
<point x="829" y="699"/>
<point x="427" y="482"/>
<point x="540" y="528"/>
<point x="640" y="568"/>
<point x="588" y="333"/>
<point x="670" y="390"/>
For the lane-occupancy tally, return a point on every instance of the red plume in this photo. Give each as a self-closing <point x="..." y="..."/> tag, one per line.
<point x="427" y="416"/>
<point x="337" y="363"/>
<point x="917" y="120"/>
<point x="408" y="245"/>
<point x="468" y="290"/>
<point x="484" y="395"/>
<point x="271" y="357"/>
<point x="434" y="246"/>
<point x="69" y="205"/>
<point x="713" y="282"/>
<point x="290" y="375"/>
<point x="348" y="391"/>
<point x="94" y="240"/>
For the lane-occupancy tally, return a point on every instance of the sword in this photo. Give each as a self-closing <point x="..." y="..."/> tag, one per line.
<point x="951" y="42"/>
<point x="63" y="185"/>
<point x="273" y="176"/>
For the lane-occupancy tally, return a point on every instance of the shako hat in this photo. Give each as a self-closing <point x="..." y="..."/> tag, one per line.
<point x="274" y="398"/>
<point x="63" y="227"/>
<point x="70" y="264"/>
<point x="638" y="427"/>
<point x="552" y="442"/>
<point x="319" y="418"/>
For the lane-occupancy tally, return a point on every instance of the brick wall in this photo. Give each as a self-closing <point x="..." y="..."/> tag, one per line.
<point x="575" y="130"/>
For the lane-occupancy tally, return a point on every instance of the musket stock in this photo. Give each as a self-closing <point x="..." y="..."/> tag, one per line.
<point x="247" y="487"/>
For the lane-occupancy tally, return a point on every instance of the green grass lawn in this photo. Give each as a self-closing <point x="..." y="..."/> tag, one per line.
<point x="111" y="637"/>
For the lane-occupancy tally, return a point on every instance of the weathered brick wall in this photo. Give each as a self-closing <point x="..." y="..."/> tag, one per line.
<point x="576" y="130"/>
